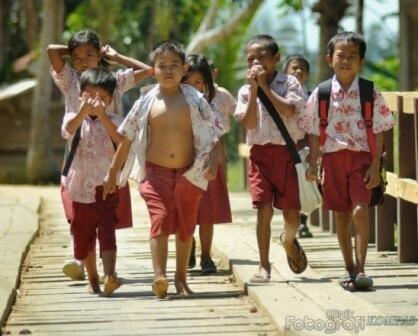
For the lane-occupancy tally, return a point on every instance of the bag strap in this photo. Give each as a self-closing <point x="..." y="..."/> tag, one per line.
<point x="70" y="157"/>
<point x="366" y="99"/>
<point x="324" y="93"/>
<point x="274" y="114"/>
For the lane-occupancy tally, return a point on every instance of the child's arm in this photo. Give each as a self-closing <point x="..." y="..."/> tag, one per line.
<point x="99" y="110"/>
<point x="83" y="111"/>
<point x="109" y="182"/>
<point x="284" y="105"/>
<point x="249" y="119"/>
<point x="372" y="176"/>
<point x="141" y="70"/>
<point x="56" y="53"/>
<point x="312" y="171"/>
<point x="211" y="170"/>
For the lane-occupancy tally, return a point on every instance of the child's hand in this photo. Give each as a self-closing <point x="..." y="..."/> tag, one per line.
<point x="261" y="76"/>
<point x="86" y="104"/>
<point x="109" y="53"/>
<point x="98" y="107"/>
<point x="109" y="184"/>
<point x="372" y="176"/>
<point x="251" y="78"/>
<point x="311" y="174"/>
<point x="211" y="170"/>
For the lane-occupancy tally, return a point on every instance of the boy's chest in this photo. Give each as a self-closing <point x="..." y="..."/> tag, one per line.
<point x="345" y="105"/>
<point x="170" y="114"/>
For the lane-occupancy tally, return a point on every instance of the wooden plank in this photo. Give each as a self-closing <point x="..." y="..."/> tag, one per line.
<point x="17" y="89"/>
<point x="385" y="221"/>
<point x="404" y="188"/>
<point x="372" y="225"/>
<point x="408" y="101"/>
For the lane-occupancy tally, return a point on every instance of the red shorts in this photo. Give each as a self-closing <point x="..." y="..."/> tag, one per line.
<point x="94" y="220"/>
<point x="172" y="201"/>
<point x="342" y="179"/>
<point x="272" y="177"/>
<point x="123" y="210"/>
<point x="214" y="206"/>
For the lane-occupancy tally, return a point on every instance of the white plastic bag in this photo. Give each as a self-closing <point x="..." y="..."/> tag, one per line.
<point x="309" y="195"/>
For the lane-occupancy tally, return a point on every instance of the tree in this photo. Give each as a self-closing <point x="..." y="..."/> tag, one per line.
<point x="408" y="30"/>
<point x="331" y="12"/>
<point x="39" y="164"/>
<point x="208" y="33"/>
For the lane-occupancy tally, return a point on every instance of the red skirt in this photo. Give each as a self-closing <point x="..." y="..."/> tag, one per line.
<point x="214" y="206"/>
<point x="123" y="210"/>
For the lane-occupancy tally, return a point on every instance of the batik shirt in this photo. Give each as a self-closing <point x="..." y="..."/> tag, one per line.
<point x="346" y="126"/>
<point x="205" y="134"/>
<point x="226" y="104"/>
<point x="68" y="81"/>
<point x="266" y="130"/>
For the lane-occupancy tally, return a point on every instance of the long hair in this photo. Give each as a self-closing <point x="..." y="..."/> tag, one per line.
<point x="200" y="64"/>
<point x="88" y="37"/>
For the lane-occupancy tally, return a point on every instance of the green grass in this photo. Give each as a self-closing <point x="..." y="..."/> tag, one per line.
<point x="235" y="176"/>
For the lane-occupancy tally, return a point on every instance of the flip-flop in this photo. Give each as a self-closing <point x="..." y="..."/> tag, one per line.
<point x="293" y="264"/>
<point x="262" y="276"/>
<point x="160" y="287"/>
<point x="363" y="282"/>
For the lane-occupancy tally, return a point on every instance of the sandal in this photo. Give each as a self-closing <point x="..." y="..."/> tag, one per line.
<point x="208" y="267"/>
<point x="296" y="265"/>
<point x="304" y="232"/>
<point x="347" y="282"/>
<point x="262" y="276"/>
<point x="160" y="287"/>
<point x="363" y="282"/>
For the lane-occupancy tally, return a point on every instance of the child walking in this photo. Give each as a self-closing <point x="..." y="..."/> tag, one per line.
<point x="170" y="131"/>
<point x="350" y="161"/>
<point x="298" y="66"/>
<point x="85" y="52"/>
<point x="214" y="206"/>
<point x="271" y="172"/>
<point x="93" y="217"/>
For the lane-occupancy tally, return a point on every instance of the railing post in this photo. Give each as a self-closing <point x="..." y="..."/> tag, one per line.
<point x="407" y="212"/>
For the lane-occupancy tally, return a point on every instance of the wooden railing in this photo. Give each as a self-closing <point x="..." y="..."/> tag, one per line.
<point x="394" y="224"/>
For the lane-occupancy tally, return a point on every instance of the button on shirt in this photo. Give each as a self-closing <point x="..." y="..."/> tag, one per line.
<point x="266" y="130"/>
<point x="205" y="134"/>
<point x="346" y="126"/>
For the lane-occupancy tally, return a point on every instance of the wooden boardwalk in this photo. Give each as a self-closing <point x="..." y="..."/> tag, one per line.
<point x="49" y="304"/>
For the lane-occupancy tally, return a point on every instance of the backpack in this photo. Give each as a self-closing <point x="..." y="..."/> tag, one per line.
<point x="366" y="100"/>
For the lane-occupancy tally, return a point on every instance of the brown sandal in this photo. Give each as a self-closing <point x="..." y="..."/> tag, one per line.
<point x="296" y="265"/>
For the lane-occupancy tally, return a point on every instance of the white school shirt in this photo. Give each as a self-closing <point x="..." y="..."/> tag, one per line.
<point x="346" y="126"/>
<point x="205" y="134"/>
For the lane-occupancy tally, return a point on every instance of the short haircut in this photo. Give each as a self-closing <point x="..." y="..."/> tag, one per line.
<point x="100" y="77"/>
<point x="296" y="57"/>
<point x="348" y="37"/>
<point x="268" y="41"/>
<point x="167" y="46"/>
<point x="198" y="63"/>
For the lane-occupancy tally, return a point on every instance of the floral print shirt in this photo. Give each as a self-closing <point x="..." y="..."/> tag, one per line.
<point x="266" y="130"/>
<point x="226" y="104"/>
<point x="346" y="126"/>
<point x="205" y="134"/>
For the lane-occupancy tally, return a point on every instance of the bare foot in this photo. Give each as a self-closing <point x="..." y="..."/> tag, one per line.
<point x="182" y="287"/>
<point x="94" y="286"/>
<point x="160" y="287"/>
<point x="111" y="283"/>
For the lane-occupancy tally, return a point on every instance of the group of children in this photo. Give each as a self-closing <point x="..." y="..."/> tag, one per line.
<point x="175" y="132"/>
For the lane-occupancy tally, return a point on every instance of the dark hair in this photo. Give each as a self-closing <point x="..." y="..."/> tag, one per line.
<point x="86" y="37"/>
<point x="348" y="37"/>
<point x="100" y="77"/>
<point x="165" y="46"/>
<point x="200" y="64"/>
<point x="268" y="41"/>
<point x="296" y="57"/>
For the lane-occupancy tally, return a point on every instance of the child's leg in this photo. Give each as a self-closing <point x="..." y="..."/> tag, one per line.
<point x="343" y="220"/>
<point x="159" y="253"/>
<point x="183" y="248"/>
<point x="206" y="237"/>
<point x="361" y="224"/>
<point x="264" y="216"/>
<point x="111" y="282"/>
<point x="91" y="268"/>
<point x="73" y="268"/>
<point x="291" y="225"/>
